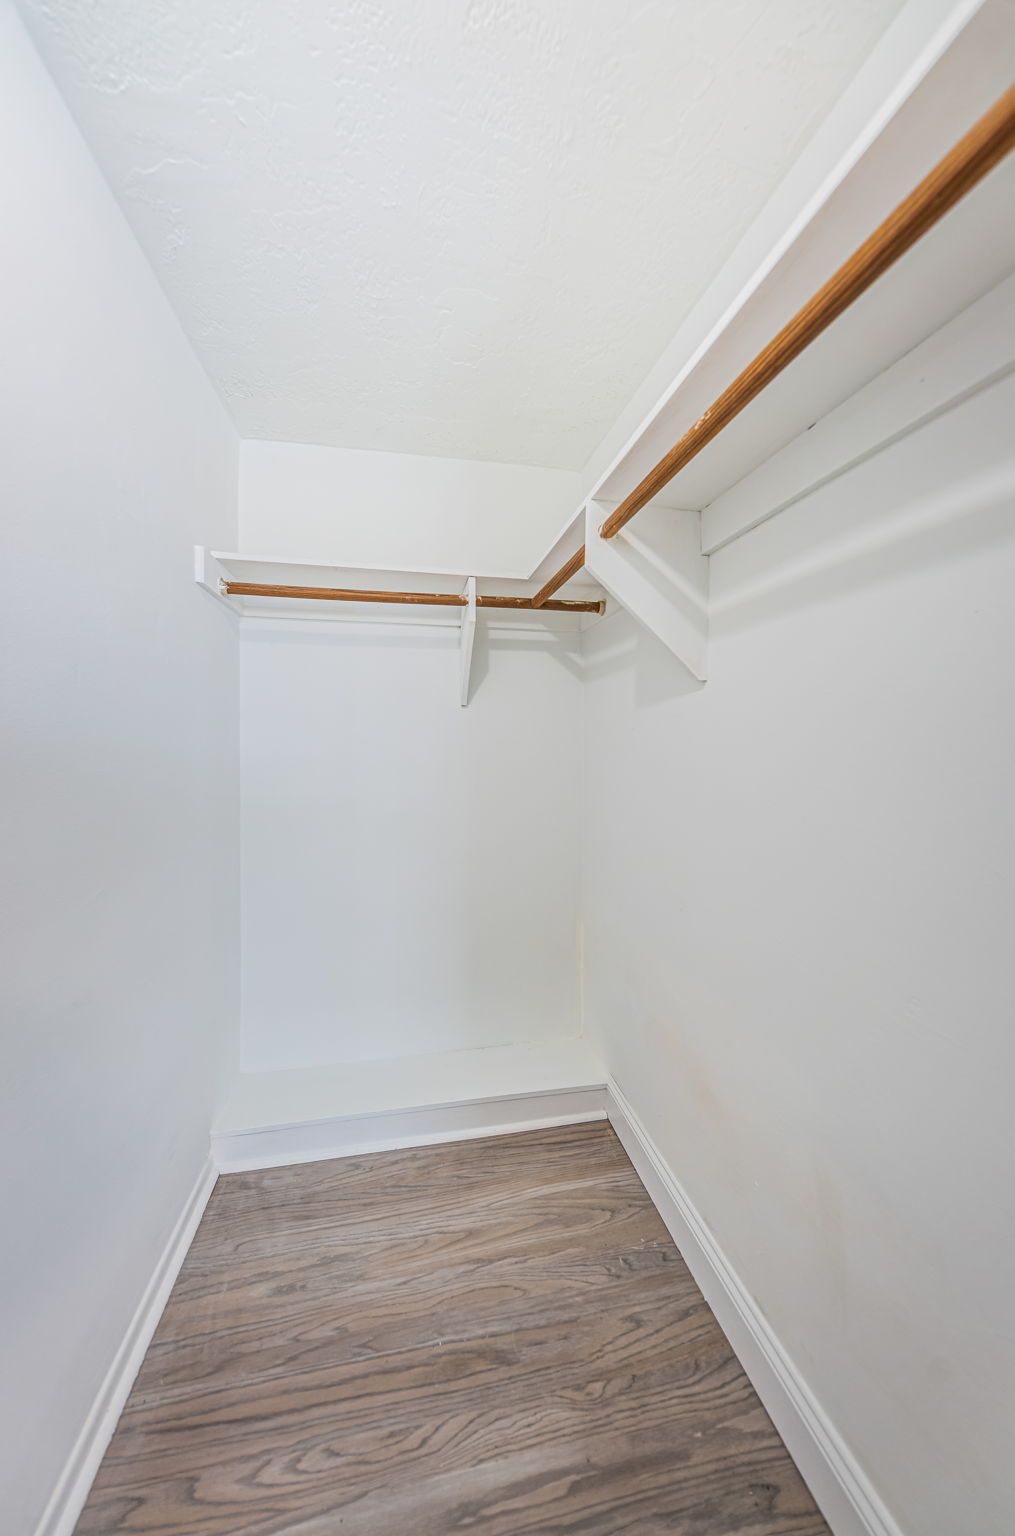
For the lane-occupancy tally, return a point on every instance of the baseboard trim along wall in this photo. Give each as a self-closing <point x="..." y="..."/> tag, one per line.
<point x="67" y="1501"/>
<point x="840" y="1487"/>
<point x="385" y="1130"/>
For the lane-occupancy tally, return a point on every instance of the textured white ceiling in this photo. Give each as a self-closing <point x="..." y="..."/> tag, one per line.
<point x="459" y="227"/>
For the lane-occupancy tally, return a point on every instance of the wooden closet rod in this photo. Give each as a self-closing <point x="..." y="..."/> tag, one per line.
<point x="565" y="573"/>
<point x="527" y="602"/>
<point x="989" y="140"/>
<point x="429" y="599"/>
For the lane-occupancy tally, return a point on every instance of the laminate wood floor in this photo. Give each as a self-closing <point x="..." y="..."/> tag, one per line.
<point x="495" y="1337"/>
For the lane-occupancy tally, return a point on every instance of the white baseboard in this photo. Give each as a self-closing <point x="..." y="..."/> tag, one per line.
<point x="309" y="1141"/>
<point x="840" y="1487"/>
<point x="68" y="1498"/>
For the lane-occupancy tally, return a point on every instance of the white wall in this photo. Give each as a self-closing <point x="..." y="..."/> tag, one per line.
<point x="798" y="890"/>
<point x="400" y="510"/>
<point x="118" y="778"/>
<point x="410" y="868"/>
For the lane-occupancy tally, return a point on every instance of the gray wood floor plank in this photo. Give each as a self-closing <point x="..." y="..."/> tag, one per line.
<point x="492" y="1336"/>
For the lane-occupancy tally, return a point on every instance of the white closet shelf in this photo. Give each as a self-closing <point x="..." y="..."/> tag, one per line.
<point x="220" y="571"/>
<point x="954" y="263"/>
<point x="216" y="568"/>
<point x="910" y="230"/>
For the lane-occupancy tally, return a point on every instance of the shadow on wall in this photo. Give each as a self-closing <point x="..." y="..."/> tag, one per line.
<point x="561" y="646"/>
<point x="615" y="648"/>
<point x="349" y="636"/>
<point x="881" y="521"/>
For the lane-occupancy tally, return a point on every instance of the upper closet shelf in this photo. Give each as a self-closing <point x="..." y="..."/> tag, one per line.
<point x="955" y="262"/>
<point x="298" y="590"/>
<point x="389" y="596"/>
<point x="884" y="301"/>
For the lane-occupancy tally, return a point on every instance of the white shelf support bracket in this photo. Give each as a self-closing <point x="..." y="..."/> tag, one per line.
<point x="655" y="569"/>
<point x="468" y="639"/>
<point x="208" y="573"/>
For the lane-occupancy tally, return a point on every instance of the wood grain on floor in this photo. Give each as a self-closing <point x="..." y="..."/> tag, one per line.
<point x="491" y="1336"/>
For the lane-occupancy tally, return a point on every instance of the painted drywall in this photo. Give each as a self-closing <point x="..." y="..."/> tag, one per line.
<point x="118" y="778"/>
<point x="797" y="889"/>
<point x="400" y="510"/>
<point x="463" y="229"/>
<point x="410" y="867"/>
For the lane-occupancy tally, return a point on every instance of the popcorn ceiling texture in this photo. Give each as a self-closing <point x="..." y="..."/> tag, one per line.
<point x="458" y="227"/>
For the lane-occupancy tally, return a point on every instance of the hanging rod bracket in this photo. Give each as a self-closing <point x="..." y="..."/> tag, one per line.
<point x="468" y="640"/>
<point x="659" y="575"/>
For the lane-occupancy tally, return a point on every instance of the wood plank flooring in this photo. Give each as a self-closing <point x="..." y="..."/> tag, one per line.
<point x="495" y="1337"/>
